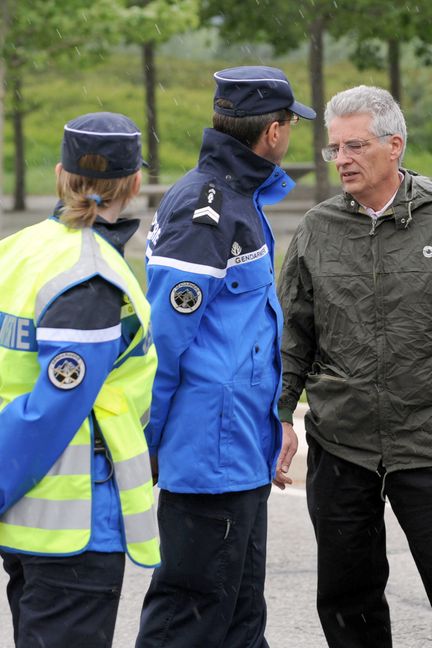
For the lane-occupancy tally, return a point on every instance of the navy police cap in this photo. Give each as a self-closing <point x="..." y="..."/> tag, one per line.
<point x="111" y="135"/>
<point x="256" y="90"/>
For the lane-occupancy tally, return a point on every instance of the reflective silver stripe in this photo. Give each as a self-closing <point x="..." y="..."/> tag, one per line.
<point x="140" y="527"/>
<point x="198" y="268"/>
<point x="134" y="472"/>
<point x="90" y="263"/>
<point x="186" y="266"/>
<point x="77" y="335"/>
<point x="144" y="418"/>
<point x="49" y="514"/>
<point x="75" y="460"/>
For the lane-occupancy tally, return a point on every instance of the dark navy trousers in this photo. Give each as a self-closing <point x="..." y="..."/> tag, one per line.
<point x="347" y="510"/>
<point x="65" y="602"/>
<point x="209" y="590"/>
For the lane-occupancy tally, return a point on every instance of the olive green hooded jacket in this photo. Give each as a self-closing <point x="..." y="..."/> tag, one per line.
<point x="357" y="302"/>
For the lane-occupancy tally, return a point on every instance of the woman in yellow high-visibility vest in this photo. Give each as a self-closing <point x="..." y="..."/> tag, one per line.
<point x="77" y="363"/>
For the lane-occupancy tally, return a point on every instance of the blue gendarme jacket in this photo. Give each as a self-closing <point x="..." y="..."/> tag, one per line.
<point x="217" y="323"/>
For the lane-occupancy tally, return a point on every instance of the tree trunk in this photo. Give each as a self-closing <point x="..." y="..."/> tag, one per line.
<point x="316" y="51"/>
<point x="4" y="22"/>
<point x="17" y="120"/>
<point x="149" y="69"/>
<point x="394" y="69"/>
<point x="2" y="96"/>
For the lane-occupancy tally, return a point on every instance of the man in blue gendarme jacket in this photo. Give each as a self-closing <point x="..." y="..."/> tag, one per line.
<point x="214" y="432"/>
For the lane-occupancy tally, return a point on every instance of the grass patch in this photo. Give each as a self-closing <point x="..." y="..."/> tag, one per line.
<point x="137" y="266"/>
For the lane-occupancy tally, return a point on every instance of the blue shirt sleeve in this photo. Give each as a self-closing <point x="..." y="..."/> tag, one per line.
<point x="37" y="426"/>
<point x="181" y="284"/>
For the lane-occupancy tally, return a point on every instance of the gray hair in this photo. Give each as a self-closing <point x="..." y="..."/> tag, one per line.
<point x="387" y="117"/>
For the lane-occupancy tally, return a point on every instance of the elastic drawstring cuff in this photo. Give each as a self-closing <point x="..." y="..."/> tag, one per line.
<point x="98" y="200"/>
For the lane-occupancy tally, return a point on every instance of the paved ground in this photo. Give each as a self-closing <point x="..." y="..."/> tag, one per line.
<point x="292" y="619"/>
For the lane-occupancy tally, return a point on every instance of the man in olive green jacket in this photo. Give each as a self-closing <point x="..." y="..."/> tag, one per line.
<point x="356" y="290"/>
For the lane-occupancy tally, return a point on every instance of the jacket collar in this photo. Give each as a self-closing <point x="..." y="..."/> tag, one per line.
<point x="117" y="234"/>
<point x="223" y="156"/>
<point x="414" y="190"/>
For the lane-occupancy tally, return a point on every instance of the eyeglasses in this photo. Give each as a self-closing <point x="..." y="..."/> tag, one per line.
<point x="292" y="119"/>
<point x="351" y="149"/>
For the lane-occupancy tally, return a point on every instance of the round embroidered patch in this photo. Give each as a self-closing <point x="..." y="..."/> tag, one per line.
<point x="427" y="251"/>
<point x="186" y="297"/>
<point x="66" y="370"/>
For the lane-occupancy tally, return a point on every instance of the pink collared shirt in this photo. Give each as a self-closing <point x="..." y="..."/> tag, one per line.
<point x="374" y="214"/>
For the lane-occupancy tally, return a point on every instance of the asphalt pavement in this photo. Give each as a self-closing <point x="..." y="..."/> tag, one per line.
<point x="291" y="565"/>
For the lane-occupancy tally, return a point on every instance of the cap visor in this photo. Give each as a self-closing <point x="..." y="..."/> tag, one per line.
<point x="302" y="111"/>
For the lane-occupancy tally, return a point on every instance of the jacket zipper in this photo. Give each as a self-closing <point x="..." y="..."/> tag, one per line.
<point x="228" y="527"/>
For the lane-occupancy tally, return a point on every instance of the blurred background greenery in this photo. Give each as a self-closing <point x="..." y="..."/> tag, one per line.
<point x="102" y="69"/>
<point x="184" y="96"/>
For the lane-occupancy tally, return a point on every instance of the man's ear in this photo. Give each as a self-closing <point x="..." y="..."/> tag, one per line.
<point x="272" y="133"/>
<point x="397" y="146"/>
<point x="58" y="167"/>
<point x="267" y="140"/>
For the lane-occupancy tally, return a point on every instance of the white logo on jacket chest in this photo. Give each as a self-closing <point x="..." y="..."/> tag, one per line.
<point x="236" y="249"/>
<point x="427" y="251"/>
<point x="155" y="230"/>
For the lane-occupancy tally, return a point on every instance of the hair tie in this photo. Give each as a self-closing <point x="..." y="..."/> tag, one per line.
<point x="98" y="200"/>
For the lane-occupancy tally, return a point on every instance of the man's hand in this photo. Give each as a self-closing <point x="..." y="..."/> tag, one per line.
<point x="288" y="450"/>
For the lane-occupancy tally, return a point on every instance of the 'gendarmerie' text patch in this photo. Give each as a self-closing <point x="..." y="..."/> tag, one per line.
<point x="209" y="206"/>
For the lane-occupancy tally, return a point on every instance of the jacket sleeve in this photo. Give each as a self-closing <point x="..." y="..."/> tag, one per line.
<point x="298" y="339"/>
<point x="188" y="260"/>
<point x="37" y="426"/>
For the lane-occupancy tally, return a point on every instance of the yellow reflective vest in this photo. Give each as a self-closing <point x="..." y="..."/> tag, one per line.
<point x="36" y="265"/>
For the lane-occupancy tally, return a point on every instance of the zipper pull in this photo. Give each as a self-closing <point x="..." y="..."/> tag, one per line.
<point x="228" y="527"/>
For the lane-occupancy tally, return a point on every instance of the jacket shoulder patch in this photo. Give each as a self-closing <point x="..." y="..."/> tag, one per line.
<point x="209" y="205"/>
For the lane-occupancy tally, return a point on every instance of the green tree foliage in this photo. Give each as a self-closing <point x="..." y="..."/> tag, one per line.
<point x="4" y="21"/>
<point x="155" y="21"/>
<point x="373" y="24"/>
<point x="43" y="33"/>
<point x="378" y="31"/>
<point x="284" y="25"/>
<point x="149" y="23"/>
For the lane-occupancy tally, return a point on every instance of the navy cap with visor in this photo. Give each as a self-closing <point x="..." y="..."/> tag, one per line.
<point x="256" y="90"/>
<point x="110" y="135"/>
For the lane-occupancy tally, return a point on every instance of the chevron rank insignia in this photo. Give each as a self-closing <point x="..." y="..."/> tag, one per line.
<point x="209" y="206"/>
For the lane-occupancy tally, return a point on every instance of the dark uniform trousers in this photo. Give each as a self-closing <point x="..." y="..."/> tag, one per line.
<point x="347" y="510"/>
<point x="209" y="590"/>
<point x="64" y="602"/>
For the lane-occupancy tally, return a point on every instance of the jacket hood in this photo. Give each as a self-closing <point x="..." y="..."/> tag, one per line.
<point x="416" y="189"/>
